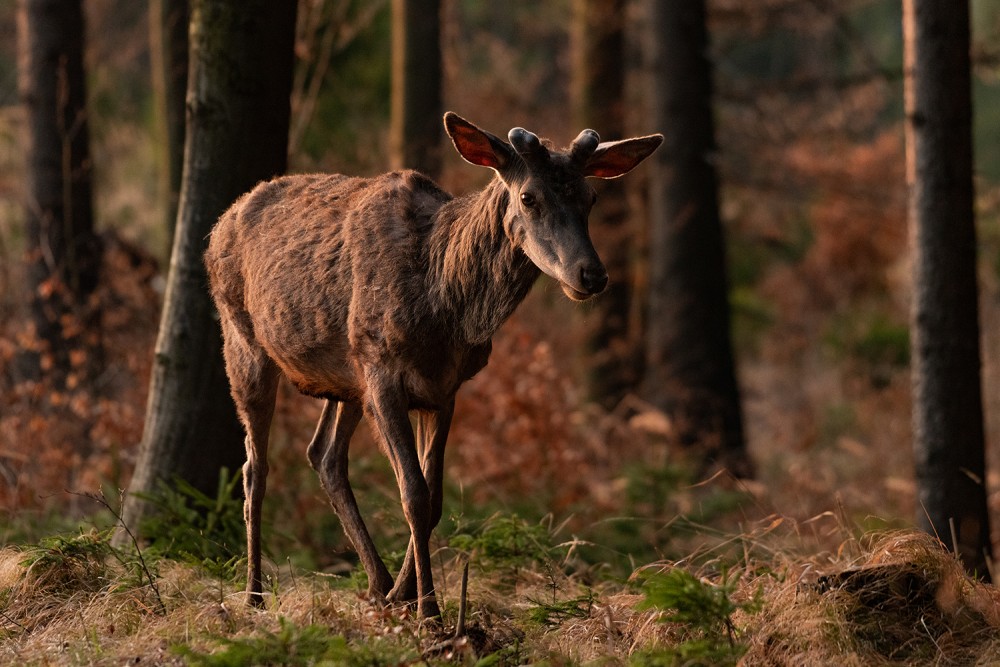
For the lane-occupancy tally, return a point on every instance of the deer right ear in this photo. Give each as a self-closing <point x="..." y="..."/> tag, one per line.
<point x="475" y="145"/>
<point x="611" y="159"/>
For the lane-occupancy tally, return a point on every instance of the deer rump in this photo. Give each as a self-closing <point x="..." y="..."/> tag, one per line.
<point x="381" y="295"/>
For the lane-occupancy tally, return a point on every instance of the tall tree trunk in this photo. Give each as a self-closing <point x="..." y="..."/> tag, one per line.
<point x="599" y="97"/>
<point x="63" y="252"/>
<point x="690" y="370"/>
<point x="168" y="51"/>
<point x="947" y="401"/>
<point x="415" y="124"/>
<point x="237" y="134"/>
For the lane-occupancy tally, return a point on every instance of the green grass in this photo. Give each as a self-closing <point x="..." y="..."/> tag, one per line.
<point x="292" y="645"/>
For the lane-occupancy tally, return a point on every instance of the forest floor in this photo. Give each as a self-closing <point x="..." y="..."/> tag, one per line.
<point x="617" y="546"/>
<point x="895" y="599"/>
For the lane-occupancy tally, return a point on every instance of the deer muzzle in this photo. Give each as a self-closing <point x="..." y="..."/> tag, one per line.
<point x="593" y="278"/>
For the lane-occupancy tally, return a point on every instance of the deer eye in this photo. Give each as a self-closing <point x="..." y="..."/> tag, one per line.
<point x="593" y="198"/>
<point x="528" y="199"/>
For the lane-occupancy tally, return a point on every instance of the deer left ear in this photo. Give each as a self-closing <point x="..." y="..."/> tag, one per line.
<point x="475" y="145"/>
<point x="612" y="159"/>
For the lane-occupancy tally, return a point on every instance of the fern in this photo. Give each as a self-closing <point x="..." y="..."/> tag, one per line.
<point x="705" y="608"/>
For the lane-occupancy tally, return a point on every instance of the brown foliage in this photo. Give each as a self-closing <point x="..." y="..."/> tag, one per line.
<point x="519" y="427"/>
<point x="859" y="218"/>
<point x="52" y="439"/>
<point x="858" y="223"/>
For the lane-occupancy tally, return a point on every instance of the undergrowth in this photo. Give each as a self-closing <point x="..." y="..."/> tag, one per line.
<point x="190" y="526"/>
<point x="883" y="598"/>
<point x="505" y="544"/>
<point x="704" y="610"/>
<point x="294" y="646"/>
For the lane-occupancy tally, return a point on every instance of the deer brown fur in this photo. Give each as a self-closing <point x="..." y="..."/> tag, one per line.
<point x="381" y="296"/>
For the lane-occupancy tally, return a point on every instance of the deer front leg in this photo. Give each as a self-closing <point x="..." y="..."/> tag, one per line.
<point x="253" y="380"/>
<point x="387" y="411"/>
<point x="328" y="456"/>
<point x="432" y="434"/>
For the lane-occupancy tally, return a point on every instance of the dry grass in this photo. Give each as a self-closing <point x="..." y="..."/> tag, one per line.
<point x="890" y="598"/>
<point x="904" y="600"/>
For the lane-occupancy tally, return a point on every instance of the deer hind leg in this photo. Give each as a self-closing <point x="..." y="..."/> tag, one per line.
<point x="328" y="456"/>
<point x="253" y="380"/>
<point x="432" y="434"/>
<point x="386" y="409"/>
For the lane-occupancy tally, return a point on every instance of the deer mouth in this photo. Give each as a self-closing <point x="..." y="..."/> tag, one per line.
<point x="575" y="294"/>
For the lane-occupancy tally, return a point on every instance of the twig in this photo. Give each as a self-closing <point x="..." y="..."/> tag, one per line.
<point x="142" y="561"/>
<point x="463" y="601"/>
<point x="11" y="619"/>
<point x="989" y="565"/>
<point x="930" y="635"/>
<point x="930" y="522"/>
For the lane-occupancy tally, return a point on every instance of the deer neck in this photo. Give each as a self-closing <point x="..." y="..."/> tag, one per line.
<point x="477" y="275"/>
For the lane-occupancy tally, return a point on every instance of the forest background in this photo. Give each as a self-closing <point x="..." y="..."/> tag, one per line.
<point x="809" y="118"/>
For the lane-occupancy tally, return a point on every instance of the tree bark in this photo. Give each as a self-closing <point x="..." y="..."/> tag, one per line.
<point x="168" y="55"/>
<point x="690" y="368"/>
<point x="611" y="365"/>
<point x="62" y="250"/>
<point x="415" y="123"/>
<point x="237" y="134"/>
<point x="948" y="427"/>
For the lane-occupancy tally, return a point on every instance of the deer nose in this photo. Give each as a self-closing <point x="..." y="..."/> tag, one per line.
<point x="594" y="278"/>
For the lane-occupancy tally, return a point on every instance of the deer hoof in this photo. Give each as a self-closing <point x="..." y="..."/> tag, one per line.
<point x="376" y="598"/>
<point x="428" y="608"/>
<point x="404" y="591"/>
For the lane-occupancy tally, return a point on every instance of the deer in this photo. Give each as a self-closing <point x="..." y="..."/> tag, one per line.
<point x="381" y="296"/>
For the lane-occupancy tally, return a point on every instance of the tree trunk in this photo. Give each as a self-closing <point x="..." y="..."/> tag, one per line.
<point x="947" y="402"/>
<point x="237" y="134"/>
<point x="611" y="365"/>
<point x="63" y="252"/>
<point x="415" y="124"/>
<point x="690" y="370"/>
<point x="168" y="55"/>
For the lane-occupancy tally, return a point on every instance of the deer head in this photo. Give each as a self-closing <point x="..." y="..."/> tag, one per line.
<point x="549" y="197"/>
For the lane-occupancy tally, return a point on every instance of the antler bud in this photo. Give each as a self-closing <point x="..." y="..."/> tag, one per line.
<point x="528" y="145"/>
<point x="584" y="145"/>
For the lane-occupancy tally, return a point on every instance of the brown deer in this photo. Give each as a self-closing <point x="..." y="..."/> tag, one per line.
<point x="381" y="296"/>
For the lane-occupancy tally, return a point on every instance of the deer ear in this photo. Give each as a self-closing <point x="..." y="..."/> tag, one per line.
<point x="611" y="159"/>
<point x="475" y="145"/>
